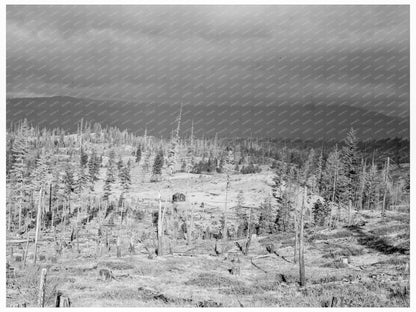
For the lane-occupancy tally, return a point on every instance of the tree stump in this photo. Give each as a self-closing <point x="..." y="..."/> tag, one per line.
<point x="42" y="288"/>
<point x="118" y="248"/>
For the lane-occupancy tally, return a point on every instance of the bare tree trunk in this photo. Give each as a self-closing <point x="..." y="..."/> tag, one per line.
<point x="160" y="228"/>
<point x="295" y="251"/>
<point x="249" y="233"/>
<point x="118" y="246"/>
<point x="38" y="221"/>
<point x="334" y="186"/>
<point x="20" y="214"/>
<point x="53" y="225"/>
<point x="362" y="186"/>
<point x="301" y="247"/>
<point x="26" y="249"/>
<point x="50" y="197"/>
<point x="349" y="211"/>
<point x="383" y="208"/>
<point x="77" y="231"/>
<point x="191" y="224"/>
<point x="9" y="225"/>
<point x="224" y="235"/>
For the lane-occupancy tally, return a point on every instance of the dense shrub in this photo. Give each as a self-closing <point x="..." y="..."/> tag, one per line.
<point x="205" y="166"/>
<point x="250" y="169"/>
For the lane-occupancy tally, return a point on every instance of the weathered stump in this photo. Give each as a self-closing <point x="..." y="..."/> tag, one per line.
<point x="42" y="288"/>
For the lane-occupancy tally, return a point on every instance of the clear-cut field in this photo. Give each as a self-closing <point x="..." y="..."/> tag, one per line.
<point x="375" y="272"/>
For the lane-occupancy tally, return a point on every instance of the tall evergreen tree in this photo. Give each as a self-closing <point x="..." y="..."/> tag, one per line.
<point x="371" y="186"/>
<point x="109" y="180"/>
<point x="266" y="219"/>
<point x="319" y="173"/>
<point x="146" y="163"/>
<point x="68" y="183"/>
<point x="157" y="166"/>
<point x="83" y="157"/>
<point x="240" y="210"/>
<point x="331" y="176"/>
<point x="307" y="172"/>
<point x="138" y="154"/>
<point x="42" y="175"/>
<point x="351" y="162"/>
<point x="119" y="164"/>
<point x="125" y="179"/>
<point x="94" y="166"/>
<point x="19" y="171"/>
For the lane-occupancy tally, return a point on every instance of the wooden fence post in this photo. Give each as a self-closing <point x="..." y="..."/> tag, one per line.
<point x="42" y="288"/>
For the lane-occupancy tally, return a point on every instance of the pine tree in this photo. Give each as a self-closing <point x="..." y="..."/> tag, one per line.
<point x="283" y="213"/>
<point x="83" y="158"/>
<point x="172" y="153"/>
<point x="10" y="159"/>
<point x="189" y="160"/>
<point x="320" y="212"/>
<point x="138" y="154"/>
<point x="42" y="175"/>
<point x="220" y="167"/>
<point x="146" y="163"/>
<point x="19" y="171"/>
<point x="119" y="164"/>
<point x="109" y="180"/>
<point x="266" y="217"/>
<point x="82" y="179"/>
<point x="125" y="179"/>
<point x="112" y="156"/>
<point x="350" y="162"/>
<point x="68" y="183"/>
<point x="319" y="173"/>
<point x="362" y="180"/>
<point x="307" y="176"/>
<point x="157" y="166"/>
<point x="241" y="214"/>
<point x="331" y="176"/>
<point x="94" y="166"/>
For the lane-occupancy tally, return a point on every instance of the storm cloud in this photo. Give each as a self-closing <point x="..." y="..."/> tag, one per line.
<point x="223" y="55"/>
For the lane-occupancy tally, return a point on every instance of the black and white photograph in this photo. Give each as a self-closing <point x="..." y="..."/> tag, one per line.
<point x="212" y="155"/>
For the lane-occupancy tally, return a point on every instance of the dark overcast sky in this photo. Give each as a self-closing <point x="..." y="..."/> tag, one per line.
<point x="251" y="55"/>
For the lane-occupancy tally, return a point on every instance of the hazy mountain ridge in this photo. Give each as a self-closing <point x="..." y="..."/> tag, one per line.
<point x="283" y="121"/>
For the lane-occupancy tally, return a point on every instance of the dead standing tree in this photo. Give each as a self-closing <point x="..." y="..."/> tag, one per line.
<point x="160" y="220"/>
<point x="385" y="186"/>
<point x="301" y="245"/>
<point x="225" y="231"/>
<point x="172" y="154"/>
<point x="228" y="169"/>
<point x="38" y="221"/>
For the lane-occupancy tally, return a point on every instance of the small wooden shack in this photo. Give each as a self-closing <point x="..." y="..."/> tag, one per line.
<point x="178" y="197"/>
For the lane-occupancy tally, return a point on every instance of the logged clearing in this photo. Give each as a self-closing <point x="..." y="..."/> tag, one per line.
<point x="365" y="264"/>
